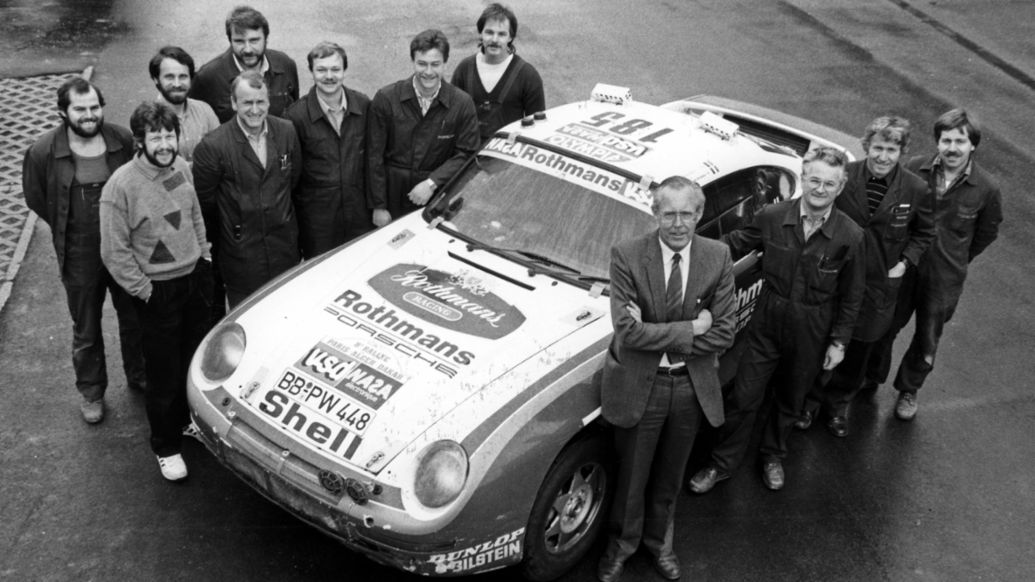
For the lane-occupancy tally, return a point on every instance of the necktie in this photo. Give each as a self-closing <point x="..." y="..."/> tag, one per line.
<point x="674" y="300"/>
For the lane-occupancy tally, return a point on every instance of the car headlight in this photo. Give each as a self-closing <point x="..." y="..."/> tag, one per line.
<point x="441" y="473"/>
<point x="223" y="352"/>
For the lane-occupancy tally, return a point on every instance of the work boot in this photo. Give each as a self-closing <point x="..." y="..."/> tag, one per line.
<point x="906" y="407"/>
<point x="93" y="411"/>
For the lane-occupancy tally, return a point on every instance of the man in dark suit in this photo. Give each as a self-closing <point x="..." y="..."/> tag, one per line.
<point x="245" y="173"/>
<point x="893" y="207"/>
<point x="673" y="311"/>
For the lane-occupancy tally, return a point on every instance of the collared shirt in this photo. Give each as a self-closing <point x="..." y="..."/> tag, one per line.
<point x="940" y="185"/>
<point x="684" y="269"/>
<point x="258" y="142"/>
<point x="335" y="115"/>
<point x="425" y="102"/>
<point x="810" y="224"/>
<point x="196" y="119"/>
<point x="263" y="69"/>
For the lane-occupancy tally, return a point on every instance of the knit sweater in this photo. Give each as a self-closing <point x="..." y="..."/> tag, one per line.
<point x="151" y="225"/>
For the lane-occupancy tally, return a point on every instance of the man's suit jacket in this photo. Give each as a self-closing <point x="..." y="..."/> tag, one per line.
<point x="638" y="276"/>
<point x="901" y="228"/>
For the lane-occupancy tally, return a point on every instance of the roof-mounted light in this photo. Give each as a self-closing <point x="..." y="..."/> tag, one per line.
<point x="713" y="123"/>
<point x="604" y="93"/>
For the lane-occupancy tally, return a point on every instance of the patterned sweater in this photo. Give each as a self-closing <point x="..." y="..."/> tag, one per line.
<point x="151" y="225"/>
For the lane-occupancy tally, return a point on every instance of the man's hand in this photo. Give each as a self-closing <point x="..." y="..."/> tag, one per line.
<point x="381" y="217"/>
<point x="835" y="353"/>
<point x="634" y="311"/>
<point x="422" y="192"/>
<point x="898" y="270"/>
<point x="703" y="322"/>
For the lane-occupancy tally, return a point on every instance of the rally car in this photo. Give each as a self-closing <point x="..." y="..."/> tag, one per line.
<point x="429" y="394"/>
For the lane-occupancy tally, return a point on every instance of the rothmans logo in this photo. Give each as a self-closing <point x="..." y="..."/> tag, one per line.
<point x="458" y="301"/>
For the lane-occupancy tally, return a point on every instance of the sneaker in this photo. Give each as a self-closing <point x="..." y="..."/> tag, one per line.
<point x="905" y="408"/>
<point x="192" y="431"/>
<point x="93" y="412"/>
<point x="772" y="474"/>
<point x="173" y="468"/>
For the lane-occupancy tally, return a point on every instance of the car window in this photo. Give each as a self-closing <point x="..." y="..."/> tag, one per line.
<point x="507" y="205"/>
<point x="732" y="201"/>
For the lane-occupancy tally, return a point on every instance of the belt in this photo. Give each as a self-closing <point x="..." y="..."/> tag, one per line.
<point x="673" y="371"/>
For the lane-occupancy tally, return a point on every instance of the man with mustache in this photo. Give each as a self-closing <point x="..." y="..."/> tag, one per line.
<point x="247" y="30"/>
<point x="172" y="71"/>
<point x="812" y="262"/>
<point x="504" y="86"/>
<point x="419" y="132"/>
<point x="62" y="177"/>
<point x="153" y="243"/>
<point x="245" y="173"/>
<point x="331" y="124"/>
<point x="967" y="211"/>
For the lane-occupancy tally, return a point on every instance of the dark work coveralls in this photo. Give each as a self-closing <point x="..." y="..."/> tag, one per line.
<point x="72" y="212"/>
<point x="331" y="199"/>
<point x="518" y="93"/>
<point x="811" y="297"/>
<point x="405" y="148"/>
<point x="212" y="83"/>
<point x="902" y="228"/>
<point x="967" y="216"/>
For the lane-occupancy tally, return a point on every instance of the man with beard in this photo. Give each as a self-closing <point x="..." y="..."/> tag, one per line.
<point x="153" y="243"/>
<point x="967" y="211"/>
<point x="504" y="87"/>
<point x="245" y="173"/>
<point x="172" y="71"/>
<point x="331" y="125"/>
<point x="62" y="179"/>
<point x="419" y="132"/>
<point x="247" y="30"/>
<point x="813" y="267"/>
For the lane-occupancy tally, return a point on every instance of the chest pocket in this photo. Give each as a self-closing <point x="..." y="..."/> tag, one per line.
<point x="963" y="219"/>
<point x="898" y="225"/>
<point x="821" y="274"/>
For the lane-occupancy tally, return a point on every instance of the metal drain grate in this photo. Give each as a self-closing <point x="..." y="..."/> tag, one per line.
<point x="28" y="108"/>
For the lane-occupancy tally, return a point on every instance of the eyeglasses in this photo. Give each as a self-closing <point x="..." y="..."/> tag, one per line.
<point x="816" y="184"/>
<point x="684" y="217"/>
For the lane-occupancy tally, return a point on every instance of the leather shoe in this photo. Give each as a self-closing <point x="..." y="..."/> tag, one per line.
<point x="805" y="420"/>
<point x="772" y="474"/>
<point x="703" y="481"/>
<point x="610" y="569"/>
<point x="838" y="426"/>
<point x="93" y="411"/>
<point x="667" y="564"/>
<point x="905" y="408"/>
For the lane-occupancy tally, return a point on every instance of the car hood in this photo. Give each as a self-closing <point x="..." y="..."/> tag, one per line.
<point x="360" y="354"/>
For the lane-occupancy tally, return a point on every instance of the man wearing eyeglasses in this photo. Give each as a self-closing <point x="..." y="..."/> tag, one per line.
<point x="813" y="266"/>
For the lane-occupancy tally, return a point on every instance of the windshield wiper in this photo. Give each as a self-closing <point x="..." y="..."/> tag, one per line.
<point x="532" y="256"/>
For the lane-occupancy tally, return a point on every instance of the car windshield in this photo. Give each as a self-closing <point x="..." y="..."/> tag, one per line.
<point x="566" y="219"/>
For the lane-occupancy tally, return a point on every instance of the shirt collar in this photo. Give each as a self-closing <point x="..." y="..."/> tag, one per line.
<point x="937" y="166"/>
<point x="416" y="89"/>
<point x="263" y="69"/>
<point x="265" y="129"/>
<point x="803" y="213"/>
<point x="327" y="109"/>
<point x="667" y="252"/>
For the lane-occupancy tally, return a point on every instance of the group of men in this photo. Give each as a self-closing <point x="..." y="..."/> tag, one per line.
<point x="845" y="266"/>
<point x="229" y="178"/>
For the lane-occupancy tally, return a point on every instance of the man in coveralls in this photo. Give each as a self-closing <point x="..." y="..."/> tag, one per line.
<point x="814" y="273"/>
<point x="419" y="132"/>
<point x="893" y="207"/>
<point x="967" y="212"/>
<point x="62" y="179"/>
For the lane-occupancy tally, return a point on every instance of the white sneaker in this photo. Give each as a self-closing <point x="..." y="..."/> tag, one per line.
<point x="173" y="467"/>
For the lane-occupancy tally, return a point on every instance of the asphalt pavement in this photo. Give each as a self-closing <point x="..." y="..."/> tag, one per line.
<point x="947" y="497"/>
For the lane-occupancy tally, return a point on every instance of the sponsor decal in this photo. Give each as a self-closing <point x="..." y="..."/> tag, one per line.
<point x="745" y="301"/>
<point x="614" y="143"/>
<point x="455" y="301"/>
<point x="596" y="179"/>
<point x="400" y="239"/>
<point x="358" y="373"/>
<point x="392" y="329"/>
<point x="316" y="414"/>
<point x="582" y="316"/>
<point x="476" y="557"/>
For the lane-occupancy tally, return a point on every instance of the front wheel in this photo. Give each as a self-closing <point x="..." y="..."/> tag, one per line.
<point x="569" y="511"/>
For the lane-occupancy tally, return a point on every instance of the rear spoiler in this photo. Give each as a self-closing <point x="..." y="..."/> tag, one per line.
<point x="794" y="133"/>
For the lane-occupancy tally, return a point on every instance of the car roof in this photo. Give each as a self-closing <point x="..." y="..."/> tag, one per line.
<point x="654" y="142"/>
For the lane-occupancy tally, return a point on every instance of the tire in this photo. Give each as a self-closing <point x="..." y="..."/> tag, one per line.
<point x="570" y="509"/>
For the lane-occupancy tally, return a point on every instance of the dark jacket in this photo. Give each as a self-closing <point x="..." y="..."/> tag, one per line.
<point x="967" y="218"/>
<point x="901" y="228"/>
<point x="823" y="276"/>
<point x="49" y="170"/>
<point x="518" y="93"/>
<point x="405" y="148"/>
<point x="248" y="209"/>
<point x="630" y="367"/>
<point x="331" y="199"/>
<point x="211" y="84"/>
